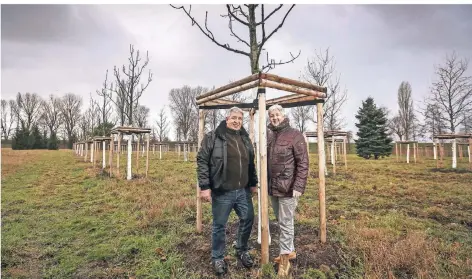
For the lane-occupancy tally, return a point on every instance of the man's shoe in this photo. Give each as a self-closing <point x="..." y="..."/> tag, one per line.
<point x="246" y="259"/>
<point x="220" y="267"/>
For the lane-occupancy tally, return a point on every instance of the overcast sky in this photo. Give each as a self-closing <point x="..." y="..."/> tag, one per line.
<point x="55" y="49"/>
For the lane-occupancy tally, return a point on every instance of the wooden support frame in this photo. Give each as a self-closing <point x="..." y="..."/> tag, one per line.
<point x="454" y="138"/>
<point x="131" y="131"/>
<point x="407" y="142"/>
<point x="305" y="94"/>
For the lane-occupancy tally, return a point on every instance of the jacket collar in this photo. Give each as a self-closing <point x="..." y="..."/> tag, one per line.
<point x="282" y="126"/>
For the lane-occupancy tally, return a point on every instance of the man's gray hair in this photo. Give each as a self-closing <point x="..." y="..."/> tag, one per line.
<point x="277" y="107"/>
<point x="234" y="109"/>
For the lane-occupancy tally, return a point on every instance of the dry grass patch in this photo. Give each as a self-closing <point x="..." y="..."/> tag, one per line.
<point x="388" y="255"/>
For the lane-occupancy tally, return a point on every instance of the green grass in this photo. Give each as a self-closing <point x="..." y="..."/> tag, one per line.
<point x="61" y="218"/>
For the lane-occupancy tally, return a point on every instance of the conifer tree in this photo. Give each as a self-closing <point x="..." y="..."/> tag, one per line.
<point x="373" y="139"/>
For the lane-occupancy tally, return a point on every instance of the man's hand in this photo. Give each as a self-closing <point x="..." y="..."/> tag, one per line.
<point x="253" y="190"/>
<point x="205" y="195"/>
<point x="296" y="194"/>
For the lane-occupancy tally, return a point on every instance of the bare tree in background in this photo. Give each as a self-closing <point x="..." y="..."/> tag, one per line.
<point x="128" y="88"/>
<point x="395" y="126"/>
<point x="29" y="109"/>
<point x="467" y="123"/>
<point x="84" y="126"/>
<point x="320" y="70"/>
<point x="141" y="116"/>
<point x="70" y="109"/>
<point x="182" y="104"/>
<point x="104" y="107"/>
<point x="452" y="91"/>
<point x="162" y="125"/>
<point x="8" y="117"/>
<point x="406" y="112"/>
<point x="245" y="15"/>
<point x="301" y="117"/>
<point x="51" y="116"/>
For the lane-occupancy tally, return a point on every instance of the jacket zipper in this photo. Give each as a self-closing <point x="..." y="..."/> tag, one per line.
<point x="240" y="167"/>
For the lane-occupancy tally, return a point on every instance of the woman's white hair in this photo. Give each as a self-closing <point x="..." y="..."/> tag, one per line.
<point x="234" y="109"/>
<point x="277" y="107"/>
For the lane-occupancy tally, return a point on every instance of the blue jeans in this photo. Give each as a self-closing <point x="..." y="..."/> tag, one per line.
<point x="222" y="204"/>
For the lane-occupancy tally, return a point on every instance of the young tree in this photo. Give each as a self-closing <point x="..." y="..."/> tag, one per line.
<point x="321" y="70"/>
<point x="452" y="91"/>
<point x="104" y="107"/>
<point x="129" y="89"/>
<point x="162" y="125"/>
<point x="372" y="133"/>
<point x="246" y="16"/>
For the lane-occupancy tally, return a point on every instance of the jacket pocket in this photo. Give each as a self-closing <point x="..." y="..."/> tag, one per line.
<point x="284" y="181"/>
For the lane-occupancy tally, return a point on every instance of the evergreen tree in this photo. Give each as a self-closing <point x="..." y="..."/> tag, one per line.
<point x="373" y="139"/>
<point x="53" y="143"/>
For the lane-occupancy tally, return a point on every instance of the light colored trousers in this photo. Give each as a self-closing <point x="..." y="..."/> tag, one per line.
<point x="284" y="209"/>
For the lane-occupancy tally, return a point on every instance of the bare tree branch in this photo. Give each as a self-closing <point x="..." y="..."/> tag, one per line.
<point x="264" y="19"/>
<point x="208" y="33"/>
<point x="128" y="88"/>
<point x="452" y="90"/>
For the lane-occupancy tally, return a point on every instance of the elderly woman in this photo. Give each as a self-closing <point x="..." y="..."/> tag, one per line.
<point x="287" y="164"/>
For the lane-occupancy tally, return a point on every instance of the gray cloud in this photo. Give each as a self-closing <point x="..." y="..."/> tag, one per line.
<point x="375" y="46"/>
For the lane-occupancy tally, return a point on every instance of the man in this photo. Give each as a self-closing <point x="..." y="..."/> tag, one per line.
<point x="227" y="178"/>
<point x="287" y="163"/>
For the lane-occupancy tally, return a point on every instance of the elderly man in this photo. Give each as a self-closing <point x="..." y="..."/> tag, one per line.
<point x="227" y="178"/>
<point x="287" y="163"/>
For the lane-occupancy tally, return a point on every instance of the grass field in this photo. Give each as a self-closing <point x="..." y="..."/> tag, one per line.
<point x="61" y="218"/>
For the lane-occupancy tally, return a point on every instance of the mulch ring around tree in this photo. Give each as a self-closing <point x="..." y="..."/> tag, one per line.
<point x="196" y="251"/>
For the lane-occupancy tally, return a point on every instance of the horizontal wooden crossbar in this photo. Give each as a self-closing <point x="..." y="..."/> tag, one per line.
<point x="130" y="130"/>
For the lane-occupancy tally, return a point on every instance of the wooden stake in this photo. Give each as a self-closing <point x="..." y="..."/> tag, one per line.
<point x="454" y="154"/>
<point x="333" y="155"/>
<point x="345" y="153"/>
<point x="118" y="155"/>
<point x="408" y="153"/>
<point x="321" y="160"/>
<point x="112" y="146"/>
<point x="137" y="153"/>
<point x="414" y="151"/>
<point x="263" y="178"/>
<point x="201" y="126"/>
<point x="396" y="150"/>
<point x="86" y="151"/>
<point x="130" y="150"/>
<point x="469" y="150"/>
<point x="147" y="153"/>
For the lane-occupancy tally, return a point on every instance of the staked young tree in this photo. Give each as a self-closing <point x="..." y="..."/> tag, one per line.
<point x="129" y="88"/>
<point x="162" y="125"/>
<point x="321" y="70"/>
<point x="373" y="139"/>
<point x="452" y="91"/>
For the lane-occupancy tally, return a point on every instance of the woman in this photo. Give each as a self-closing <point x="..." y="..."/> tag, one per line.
<point x="287" y="163"/>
